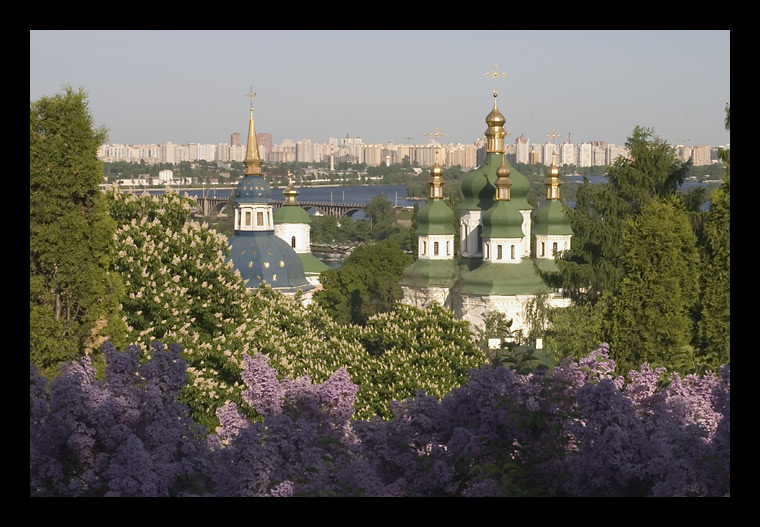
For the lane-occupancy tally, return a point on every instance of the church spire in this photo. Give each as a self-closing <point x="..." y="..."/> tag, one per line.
<point x="252" y="159"/>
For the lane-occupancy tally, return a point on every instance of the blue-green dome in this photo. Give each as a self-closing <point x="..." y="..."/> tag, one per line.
<point x="478" y="188"/>
<point x="503" y="220"/>
<point x="479" y="185"/>
<point x="252" y="189"/>
<point x="551" y="219"/>
<point x="291" y="214"/>
<point x="435" y="218"/>
<point x="260" y="256"/>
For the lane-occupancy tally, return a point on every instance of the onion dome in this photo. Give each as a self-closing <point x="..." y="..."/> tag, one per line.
<point x="291" y="211"/>
<point x="551" y="218"/>
<point x="503" y="219"/>
<point x="435" y="217"/>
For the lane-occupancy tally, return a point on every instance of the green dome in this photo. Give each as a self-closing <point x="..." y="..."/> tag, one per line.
<point x="435" y="218"/>
<point x="503" y="220"/>
<point x="519" y="189"/>
<point x="252" y="189"/>
<point x="479" y="185"/>
<point x="291" y="214"/>
<point x="478" y="188"/>
<point x="551" y="219"/>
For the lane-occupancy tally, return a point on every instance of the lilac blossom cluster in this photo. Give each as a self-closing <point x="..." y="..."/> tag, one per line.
<point x="577" y="430"/>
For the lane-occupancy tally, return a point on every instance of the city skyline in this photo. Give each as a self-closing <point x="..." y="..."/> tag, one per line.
<point x="193" y="86"/>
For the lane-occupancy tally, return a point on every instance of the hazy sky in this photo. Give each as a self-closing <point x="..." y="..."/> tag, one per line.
<point x="192" y="86"/>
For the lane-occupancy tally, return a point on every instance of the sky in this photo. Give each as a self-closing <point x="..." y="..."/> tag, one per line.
<point x="155" y="86"/>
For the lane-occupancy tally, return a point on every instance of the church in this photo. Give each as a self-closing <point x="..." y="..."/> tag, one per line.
<point x="496" y="269"/>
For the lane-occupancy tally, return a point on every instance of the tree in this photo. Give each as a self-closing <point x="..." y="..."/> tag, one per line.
<point x="74" y="297"/>
<point x="366" y="284"/>
<point x="651" y="316"/>
<point x="715" y="317"/>
<point x="592" y="266"/>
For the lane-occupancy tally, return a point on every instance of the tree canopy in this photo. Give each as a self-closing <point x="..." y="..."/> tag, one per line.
<point x="74" y="295"/>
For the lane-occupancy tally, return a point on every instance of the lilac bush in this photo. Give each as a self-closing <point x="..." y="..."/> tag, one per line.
<point x="124" y="436"/>
<point x="577" y="430"/>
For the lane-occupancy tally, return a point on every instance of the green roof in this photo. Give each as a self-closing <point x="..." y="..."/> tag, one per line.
<point x="311" y="264"/>
<point x="478" y="186"/>
<point x="435" y="218"/>
<point x="291" y="214"/>
<point x="427" y="273"/>
<point x="503" y="220"/>
<point x="489" y="278"/>
<point x="551" y="219"/>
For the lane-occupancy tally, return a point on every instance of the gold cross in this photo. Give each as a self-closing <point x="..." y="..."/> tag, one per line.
<point x="495" y="75"/>
<point x="434" y="134"/>
<point x="251" y="95"/>
<point x="553" y="135"/>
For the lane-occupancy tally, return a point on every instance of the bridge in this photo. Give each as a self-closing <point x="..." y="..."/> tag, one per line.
<point x="212" y="206"/>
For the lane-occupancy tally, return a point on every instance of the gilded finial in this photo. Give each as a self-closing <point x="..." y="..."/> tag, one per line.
<point x="495" y="76"/>
<point x="553" y="135"/>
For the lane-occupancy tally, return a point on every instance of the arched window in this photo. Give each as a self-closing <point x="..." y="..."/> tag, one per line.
<point x="480" y="238"/>
<point x="293" y="242"/>
<point x="512" y="252"/>
<point x="543" y="248"/>
<point x="248" y="218"/>
<point x="499" y="249"/>
<point x="448" y="248"/>
<point x="554" y="247"/>
<point x="424" y="247"/>
<point x="259" y="218"/>
<point x="435" y="248"/>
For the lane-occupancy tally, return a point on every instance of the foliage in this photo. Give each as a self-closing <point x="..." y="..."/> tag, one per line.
<point x="592" y="266"/>
<point x="73" y="295"/>
<point x="365" y="285"/>
<point x="123" y="436"/>
<point x="181" y="288"/>
<point x="575" y="431"/>
<point x="714" y="325"/>
<point x="652" y="314"/>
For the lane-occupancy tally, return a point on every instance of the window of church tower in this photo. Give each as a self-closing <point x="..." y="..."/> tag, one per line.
<point x="248" y="218"/>
<point x="543" y="248"/>
<point x="554" y="247"/>
<point x="512" y="252"/>
<point x="293" y="242"/>
<point x="435" y="248"/>
<point x="499" y="250"/>
<point x="480" y="238"/>
<point x="259" y="218"/>
<point x="424" y="247"/>
<point x="448" y="249"/>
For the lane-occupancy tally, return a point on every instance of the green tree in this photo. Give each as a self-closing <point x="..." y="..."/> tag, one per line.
<point x="651" y="316"/>
<point x="74" y="298"/>
<point x="365" y="285"/>
<point x="714" y="326"/>
<point x="593" y="265"/>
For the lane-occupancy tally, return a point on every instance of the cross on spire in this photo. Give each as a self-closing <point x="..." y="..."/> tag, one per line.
<point x="495" y="75"/>
<point x="251" y="95"/>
